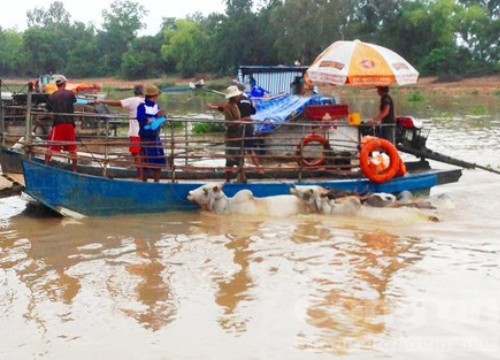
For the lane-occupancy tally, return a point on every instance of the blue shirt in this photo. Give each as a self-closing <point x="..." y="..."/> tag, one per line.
<point x="144" y="112"/>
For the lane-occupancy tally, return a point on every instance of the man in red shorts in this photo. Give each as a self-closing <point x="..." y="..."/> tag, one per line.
<point x="61" y="104"/>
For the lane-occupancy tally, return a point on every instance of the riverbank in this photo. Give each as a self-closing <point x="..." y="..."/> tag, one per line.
<point x="484" y="85"/>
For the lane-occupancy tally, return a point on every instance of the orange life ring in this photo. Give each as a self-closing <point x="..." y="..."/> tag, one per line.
<point x="375" y="167"/>
<point x="307" y="140"/>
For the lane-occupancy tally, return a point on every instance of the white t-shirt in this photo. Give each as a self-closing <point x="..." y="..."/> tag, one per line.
<point x="131" y="104"/>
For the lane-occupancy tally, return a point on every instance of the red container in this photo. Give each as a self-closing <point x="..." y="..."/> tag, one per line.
<point x="318" y="112"/>
<point x="407" y="122"/>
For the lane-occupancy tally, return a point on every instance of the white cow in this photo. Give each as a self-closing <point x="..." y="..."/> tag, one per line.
<point x="320" y="200"/>
<point x="211" y="197"/>
<point x="316" y="198"/>
<point x="381" y="199"/>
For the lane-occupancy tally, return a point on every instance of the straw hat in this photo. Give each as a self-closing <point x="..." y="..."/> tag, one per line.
<point x="232" y="91"/>
<point x="151" y="90"/>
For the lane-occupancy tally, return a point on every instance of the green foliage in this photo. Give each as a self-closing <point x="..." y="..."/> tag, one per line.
<point x="184" y="47"/>
<point x="11" y="44"/>
<point x="478" y="110"/>
<point x="450" y="38"/>
<point x="53" y="16"/>
<point x="120" y="25"/>
<point x="208" y="127"/>
<point x="416" y="96"/>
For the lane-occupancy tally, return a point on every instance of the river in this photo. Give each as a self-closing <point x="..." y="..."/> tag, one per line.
<point x="200" y="286"/>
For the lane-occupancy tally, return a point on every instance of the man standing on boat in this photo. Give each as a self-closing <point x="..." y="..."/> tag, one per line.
<point x="61" y="103"/>
<point x="152" y="153"/>
<point x="239" y="137"/>
<point x="131" y="103"/>
<point x="386" y="116"/>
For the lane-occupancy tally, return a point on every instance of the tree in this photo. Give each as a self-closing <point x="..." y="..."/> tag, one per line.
<point x="11" y="57"/>
<point x="81" y="60"/>
<point x="184" y="47"/>
<point x="236" y="36"/>
<point x="479" y="27"/>
<point x="303" y="29"/>
<point x="142" y="59"/>
<point x="120" y="27"/>
<point x="54" y="15"/>
<point x="46" y="41"/>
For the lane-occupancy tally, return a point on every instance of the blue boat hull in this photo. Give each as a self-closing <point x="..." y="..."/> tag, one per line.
<point x="69" y="192"/>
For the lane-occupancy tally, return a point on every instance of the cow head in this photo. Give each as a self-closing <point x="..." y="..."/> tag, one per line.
<point x="206" y="195"/>
<point x="311" y="195"/>
<point x="320" y="200"/>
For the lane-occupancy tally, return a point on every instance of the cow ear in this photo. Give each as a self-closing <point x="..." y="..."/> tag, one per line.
<point x="216" y="188"/>
<point x="205" y="191"/>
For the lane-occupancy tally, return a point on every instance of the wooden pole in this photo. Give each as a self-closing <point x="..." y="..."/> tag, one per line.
<point x="28" y="124"/>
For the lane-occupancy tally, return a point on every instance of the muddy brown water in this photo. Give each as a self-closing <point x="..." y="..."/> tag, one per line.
<point x="200" y="286"/>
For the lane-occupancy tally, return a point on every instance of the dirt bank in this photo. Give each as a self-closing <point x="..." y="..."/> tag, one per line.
<point x="487" y="84"/>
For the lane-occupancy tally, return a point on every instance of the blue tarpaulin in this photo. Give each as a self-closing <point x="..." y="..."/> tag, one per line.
<point x="272" y="112"/>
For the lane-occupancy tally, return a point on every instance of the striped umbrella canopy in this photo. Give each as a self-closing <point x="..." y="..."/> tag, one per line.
<point x="359" y="63"/>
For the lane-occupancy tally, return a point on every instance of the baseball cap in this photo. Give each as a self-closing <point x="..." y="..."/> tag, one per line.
<point x="60" y="79"/>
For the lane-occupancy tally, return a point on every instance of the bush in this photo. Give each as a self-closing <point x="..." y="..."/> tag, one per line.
<point x="416" y="96"/>
<point x="208" y="127"/>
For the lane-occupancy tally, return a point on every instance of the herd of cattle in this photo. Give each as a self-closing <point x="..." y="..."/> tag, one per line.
<point x="305" y="199"/>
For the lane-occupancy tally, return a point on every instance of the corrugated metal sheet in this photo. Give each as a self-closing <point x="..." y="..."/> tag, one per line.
<point x="274" y="79"/>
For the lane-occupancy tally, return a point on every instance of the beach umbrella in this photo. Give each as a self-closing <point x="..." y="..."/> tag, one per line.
<point x="359" y="63"/>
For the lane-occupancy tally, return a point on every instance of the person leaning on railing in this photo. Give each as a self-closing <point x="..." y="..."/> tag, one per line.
<point x="238" y="108"/>
<point x="61" y="103"/>
<point x="131" y="103"/>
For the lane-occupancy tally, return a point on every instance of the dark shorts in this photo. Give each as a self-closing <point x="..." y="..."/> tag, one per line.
<point x="249" y="143"/>
<point x="234" y="156"/>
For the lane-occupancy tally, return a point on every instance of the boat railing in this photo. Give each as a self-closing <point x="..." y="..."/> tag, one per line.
<point x="300" y="148"/>
<point x="296" y="149"/>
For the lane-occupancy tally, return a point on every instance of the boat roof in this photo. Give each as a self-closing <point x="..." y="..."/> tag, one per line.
<point x="269" y="69"/>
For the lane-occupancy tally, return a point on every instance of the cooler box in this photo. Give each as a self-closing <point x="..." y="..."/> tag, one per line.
<point x="318" y="112"/>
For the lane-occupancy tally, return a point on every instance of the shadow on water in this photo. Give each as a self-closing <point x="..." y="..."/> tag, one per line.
<point x="36" y="210"/>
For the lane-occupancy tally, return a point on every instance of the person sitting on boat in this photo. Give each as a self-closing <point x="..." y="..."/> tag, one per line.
<point x="257" y="91"/>
<point x="238" y="108"/>
<point x="61" y="103"/>
<point x="131" y="103"/>
<point x="152" y="154"/>
<point x="385" y="116"/>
